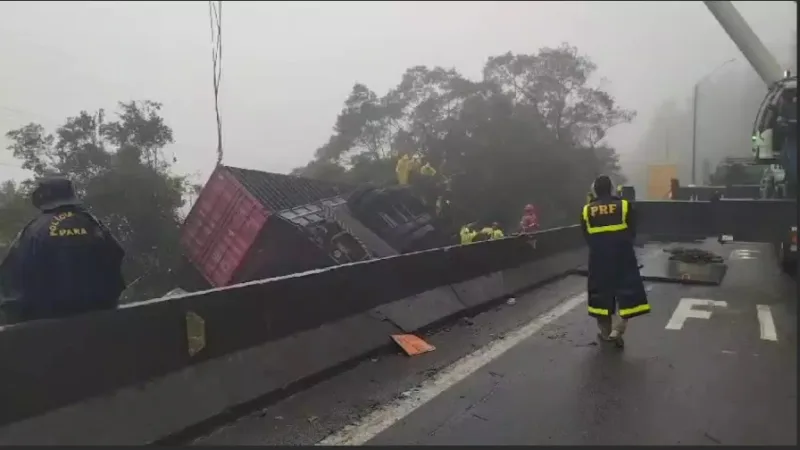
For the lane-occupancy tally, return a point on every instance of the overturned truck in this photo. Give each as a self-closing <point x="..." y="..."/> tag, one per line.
<point x="248" y="225"/>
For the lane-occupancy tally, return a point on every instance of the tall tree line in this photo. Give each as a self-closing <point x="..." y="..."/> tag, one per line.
<point x="120" y="170"/>
<point x="531" y="130"/>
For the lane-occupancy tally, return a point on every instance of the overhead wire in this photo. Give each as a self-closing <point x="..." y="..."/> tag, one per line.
<point x="215" y="20"/>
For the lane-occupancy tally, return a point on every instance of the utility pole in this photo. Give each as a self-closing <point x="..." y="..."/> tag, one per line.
<point x="694" y="133"/>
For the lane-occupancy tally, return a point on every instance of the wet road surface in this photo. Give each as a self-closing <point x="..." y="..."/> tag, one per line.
<point x="713" y="381"/>
<point x="726" y="377"/>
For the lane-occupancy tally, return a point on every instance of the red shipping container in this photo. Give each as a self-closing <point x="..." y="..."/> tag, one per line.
<point x="228" y="217"/>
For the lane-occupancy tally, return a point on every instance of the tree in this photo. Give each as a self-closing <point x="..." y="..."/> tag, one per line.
<point x="119" y="169"/>
<point x="15" y="212"/>
<point x="531" y="130"/>
<point x="555" y="83"/>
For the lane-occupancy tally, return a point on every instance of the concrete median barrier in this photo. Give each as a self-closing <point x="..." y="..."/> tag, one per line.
<point x="674" y="219"/>
<point x="50" y="364"/>
<point x="535" y="273"/>
<point x="421" y="310"/>
<point x="480" y="290"/>
<point x="153" y="410"/>
<point x="134" y="375"/>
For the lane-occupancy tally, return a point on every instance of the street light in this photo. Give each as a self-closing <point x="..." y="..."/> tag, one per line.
<point x="694" y="115"/>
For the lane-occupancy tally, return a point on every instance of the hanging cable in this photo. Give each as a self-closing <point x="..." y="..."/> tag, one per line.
<point x="215" y="19"/>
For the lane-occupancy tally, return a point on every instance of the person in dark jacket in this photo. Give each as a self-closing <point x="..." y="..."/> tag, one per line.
<point x="64" y="262"/>
<point x="614" y="283"/>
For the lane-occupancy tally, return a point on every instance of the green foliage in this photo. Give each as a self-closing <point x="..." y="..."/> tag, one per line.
<point x="119" y="170"/>
<point x="530" y="131"/>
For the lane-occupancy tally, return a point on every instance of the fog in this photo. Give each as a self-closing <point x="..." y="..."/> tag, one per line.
<point x="287" y="67"/>
<point x="728" y="98"/>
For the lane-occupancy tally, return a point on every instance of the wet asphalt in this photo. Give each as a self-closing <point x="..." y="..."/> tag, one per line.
<point x="714" y="381"/>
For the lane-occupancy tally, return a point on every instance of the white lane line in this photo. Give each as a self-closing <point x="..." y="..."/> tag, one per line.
<point x="383" y="418"/>
<point x="766" y="324"/>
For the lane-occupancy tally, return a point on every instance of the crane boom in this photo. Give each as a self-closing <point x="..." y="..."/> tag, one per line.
<point x="762" y="61"/>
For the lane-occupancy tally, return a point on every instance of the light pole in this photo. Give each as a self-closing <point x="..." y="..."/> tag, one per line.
<point x="694" y="115"/>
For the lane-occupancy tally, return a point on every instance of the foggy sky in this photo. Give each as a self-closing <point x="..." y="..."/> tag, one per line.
<point x="288" y="66"/>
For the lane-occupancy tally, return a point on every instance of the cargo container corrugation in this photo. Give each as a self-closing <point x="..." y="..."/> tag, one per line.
<point x="223" y="231"/>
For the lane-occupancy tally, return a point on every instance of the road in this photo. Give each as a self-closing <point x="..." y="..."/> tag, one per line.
<point x="726" y="377"/>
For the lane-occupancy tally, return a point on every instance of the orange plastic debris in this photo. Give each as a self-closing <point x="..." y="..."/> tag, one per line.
<point x="412" y="345"/>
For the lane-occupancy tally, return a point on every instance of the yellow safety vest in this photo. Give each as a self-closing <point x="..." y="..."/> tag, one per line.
<point x="427" y="170"/>
<point x="467" y="235"/>
<point x="402" y="169"/>
<point x="602" y="216"/>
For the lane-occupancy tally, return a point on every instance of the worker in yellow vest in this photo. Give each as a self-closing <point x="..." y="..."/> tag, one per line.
<point x="497" y="233"/>
<point x="402" y="169"/>
<point x="467" y="233"/>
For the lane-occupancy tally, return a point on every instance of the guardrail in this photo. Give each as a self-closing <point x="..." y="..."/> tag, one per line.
<point x="129" y="376"/>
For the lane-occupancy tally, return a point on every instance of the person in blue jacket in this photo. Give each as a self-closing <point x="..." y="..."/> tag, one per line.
<point x="64" y="262"/>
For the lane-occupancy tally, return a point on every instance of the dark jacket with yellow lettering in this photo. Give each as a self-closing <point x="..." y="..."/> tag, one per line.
<point x="609" y="226"/>
<point x="64" y="262"/>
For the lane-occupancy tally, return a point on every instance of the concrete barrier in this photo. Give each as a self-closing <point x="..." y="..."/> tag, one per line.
<point x="477" y="291"/>
<point x="150" y="411"/>
<point x="68" y="381"/>
<point x="538" y="272"/>
<point x="674" y="219"/>
<point x="416" y="312"/>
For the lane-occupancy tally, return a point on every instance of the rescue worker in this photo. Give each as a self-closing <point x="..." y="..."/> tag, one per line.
<point x="414" y="165"/>
<point x="614" y="283"/>
<point x="490" y="232"/>
<point x="427" y="170"/>
<point x="497" y="233"/>
<point x="530" y="221"/>
<point x="467" y="233"/>
<point x="484" y="234"/>
<point x="442" y="206"/>
<point x="64" y="262"/>
<point x="427" y="183"/>
<point x="402" y="169"/>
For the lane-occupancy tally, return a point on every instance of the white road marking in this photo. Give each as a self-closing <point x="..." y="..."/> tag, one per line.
<point x="766" y="324"/>
<point x="744" y="253"/>
<point x="393" y="412"/>
<point x="685" y="311"/>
